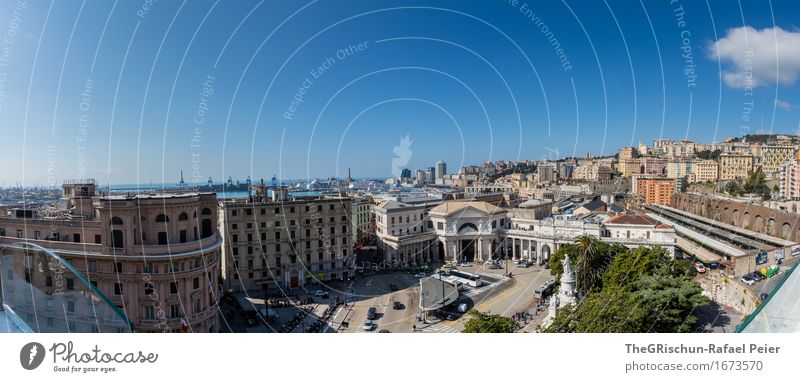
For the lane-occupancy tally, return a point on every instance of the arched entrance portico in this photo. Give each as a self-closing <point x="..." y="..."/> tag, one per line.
<point x="467" y="250"/>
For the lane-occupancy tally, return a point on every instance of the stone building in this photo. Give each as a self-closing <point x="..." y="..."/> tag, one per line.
<point x="286" y="242"/>
<point x="155" y="256"/>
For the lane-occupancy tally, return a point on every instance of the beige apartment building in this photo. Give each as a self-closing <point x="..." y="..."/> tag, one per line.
<point x="155" y="256"/>
<point x="362" y="223"/>
<point x="681" y="168"/>
<point x="705" y="170"/>
<point x="404" y="233"/>
<point x="734" y="166"/>
<point x="282" y="243"/>
<point x="772" y="157"/>
<point x="628" y="153"/>
<point x="630" y="167"/>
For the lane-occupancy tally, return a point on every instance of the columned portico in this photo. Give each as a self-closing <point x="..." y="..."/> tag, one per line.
<point x="467" y="229"/>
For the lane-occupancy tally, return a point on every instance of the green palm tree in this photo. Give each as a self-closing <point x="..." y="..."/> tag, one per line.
<point x="584" y="252"/>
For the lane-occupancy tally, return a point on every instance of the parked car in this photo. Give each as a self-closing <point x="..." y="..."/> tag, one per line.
<point x="393" y="287"/>
<point x="371" y="313"/>
<point x="465" y="265"/>
<point x="320" y="293"/>
<point x="524" y="264"/>
<point x="747" y="279"/>
<point x="757" y="276"/>
<point x="368" y="325"/>
<point x="397" y="305"/>
<point x="419" y="275"/>
<point x="713" y="265"/>
<point x="700" y="267"/>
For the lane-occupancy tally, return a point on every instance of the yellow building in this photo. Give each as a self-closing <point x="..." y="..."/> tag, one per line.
<point x="627" y="153"/>
<point x="734" y="166"/>
<point x="705" y="170"/>
<point x="630" y="167"/>
<point x="772" y="157"/>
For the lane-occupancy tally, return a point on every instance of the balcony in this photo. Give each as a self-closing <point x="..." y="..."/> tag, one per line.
<point x="42" y="293"/>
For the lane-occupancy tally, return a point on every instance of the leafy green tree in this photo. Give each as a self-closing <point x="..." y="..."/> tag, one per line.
<point x="480" y="322"/>
<point x="642" y="290"/>
<point x="669" y="302"/>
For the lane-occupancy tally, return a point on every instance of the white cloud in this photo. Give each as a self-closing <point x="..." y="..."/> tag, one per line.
<point x="758" y="57"/>
<point x="783" y="105"/>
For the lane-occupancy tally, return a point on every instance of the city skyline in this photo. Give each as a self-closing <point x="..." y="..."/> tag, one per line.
<point x="88" y="94"/>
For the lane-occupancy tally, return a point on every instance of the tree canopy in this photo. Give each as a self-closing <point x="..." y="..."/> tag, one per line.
<point x="480" y="322"/>
<point x="641" y="290"/>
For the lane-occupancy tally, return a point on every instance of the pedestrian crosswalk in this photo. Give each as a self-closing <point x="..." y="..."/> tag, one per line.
<point x="440" y="327"/>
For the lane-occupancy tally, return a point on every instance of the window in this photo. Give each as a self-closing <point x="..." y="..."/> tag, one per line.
<point x="183" y="216"/>
<point x="161" y="218"/>
<point x="183" y="236"/>
<point x="70" y="284"/>
<point x="149" y="313"/>
<point x="118" y="267"/>
<point x="48" y="281"/>
<point x="118" y="289"/>
<point x="148" y="289"/>
<point x="234" y="238"/>
<point x="173" y="288"/>
<point x="97" y="239"/>
<point x="19" y="233"/>
<point x="117" y="239"/>
<point x="175" y="311"/>
<point x="196" y="283"/>
<point x="206" y="211"/>
<point x="233" y="213"/>
<point x="76" y="237"/>
<point x="162" y="238"/>
<point x="93" y="266"/>
<point x="197" y="306"/>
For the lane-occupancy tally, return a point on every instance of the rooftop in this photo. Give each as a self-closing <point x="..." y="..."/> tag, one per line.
<point x="453" y="206"/>
<point x="633" y="219"/>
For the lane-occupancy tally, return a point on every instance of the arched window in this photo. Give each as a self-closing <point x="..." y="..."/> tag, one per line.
<point x="467" y="228"/>
<point x="161" y="218"/>
<point x="116" y="220"/>
<point x="207" y="228"/>
<point x="206" y="211"/>
<point x="183" y="216"/>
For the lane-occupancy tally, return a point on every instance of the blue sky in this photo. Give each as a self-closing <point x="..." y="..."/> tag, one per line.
<point x="109" y="90"/>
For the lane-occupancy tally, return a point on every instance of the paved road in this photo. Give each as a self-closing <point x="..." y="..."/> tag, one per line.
<point x="504" y="301"/>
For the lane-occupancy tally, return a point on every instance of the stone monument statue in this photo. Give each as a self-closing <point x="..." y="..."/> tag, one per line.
<point x="566" y="293"/>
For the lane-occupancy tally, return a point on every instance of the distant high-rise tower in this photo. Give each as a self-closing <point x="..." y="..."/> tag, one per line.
<point x="182" y="184"/>
<point x="431" y="174"/>
<point x="441" y="169"/>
